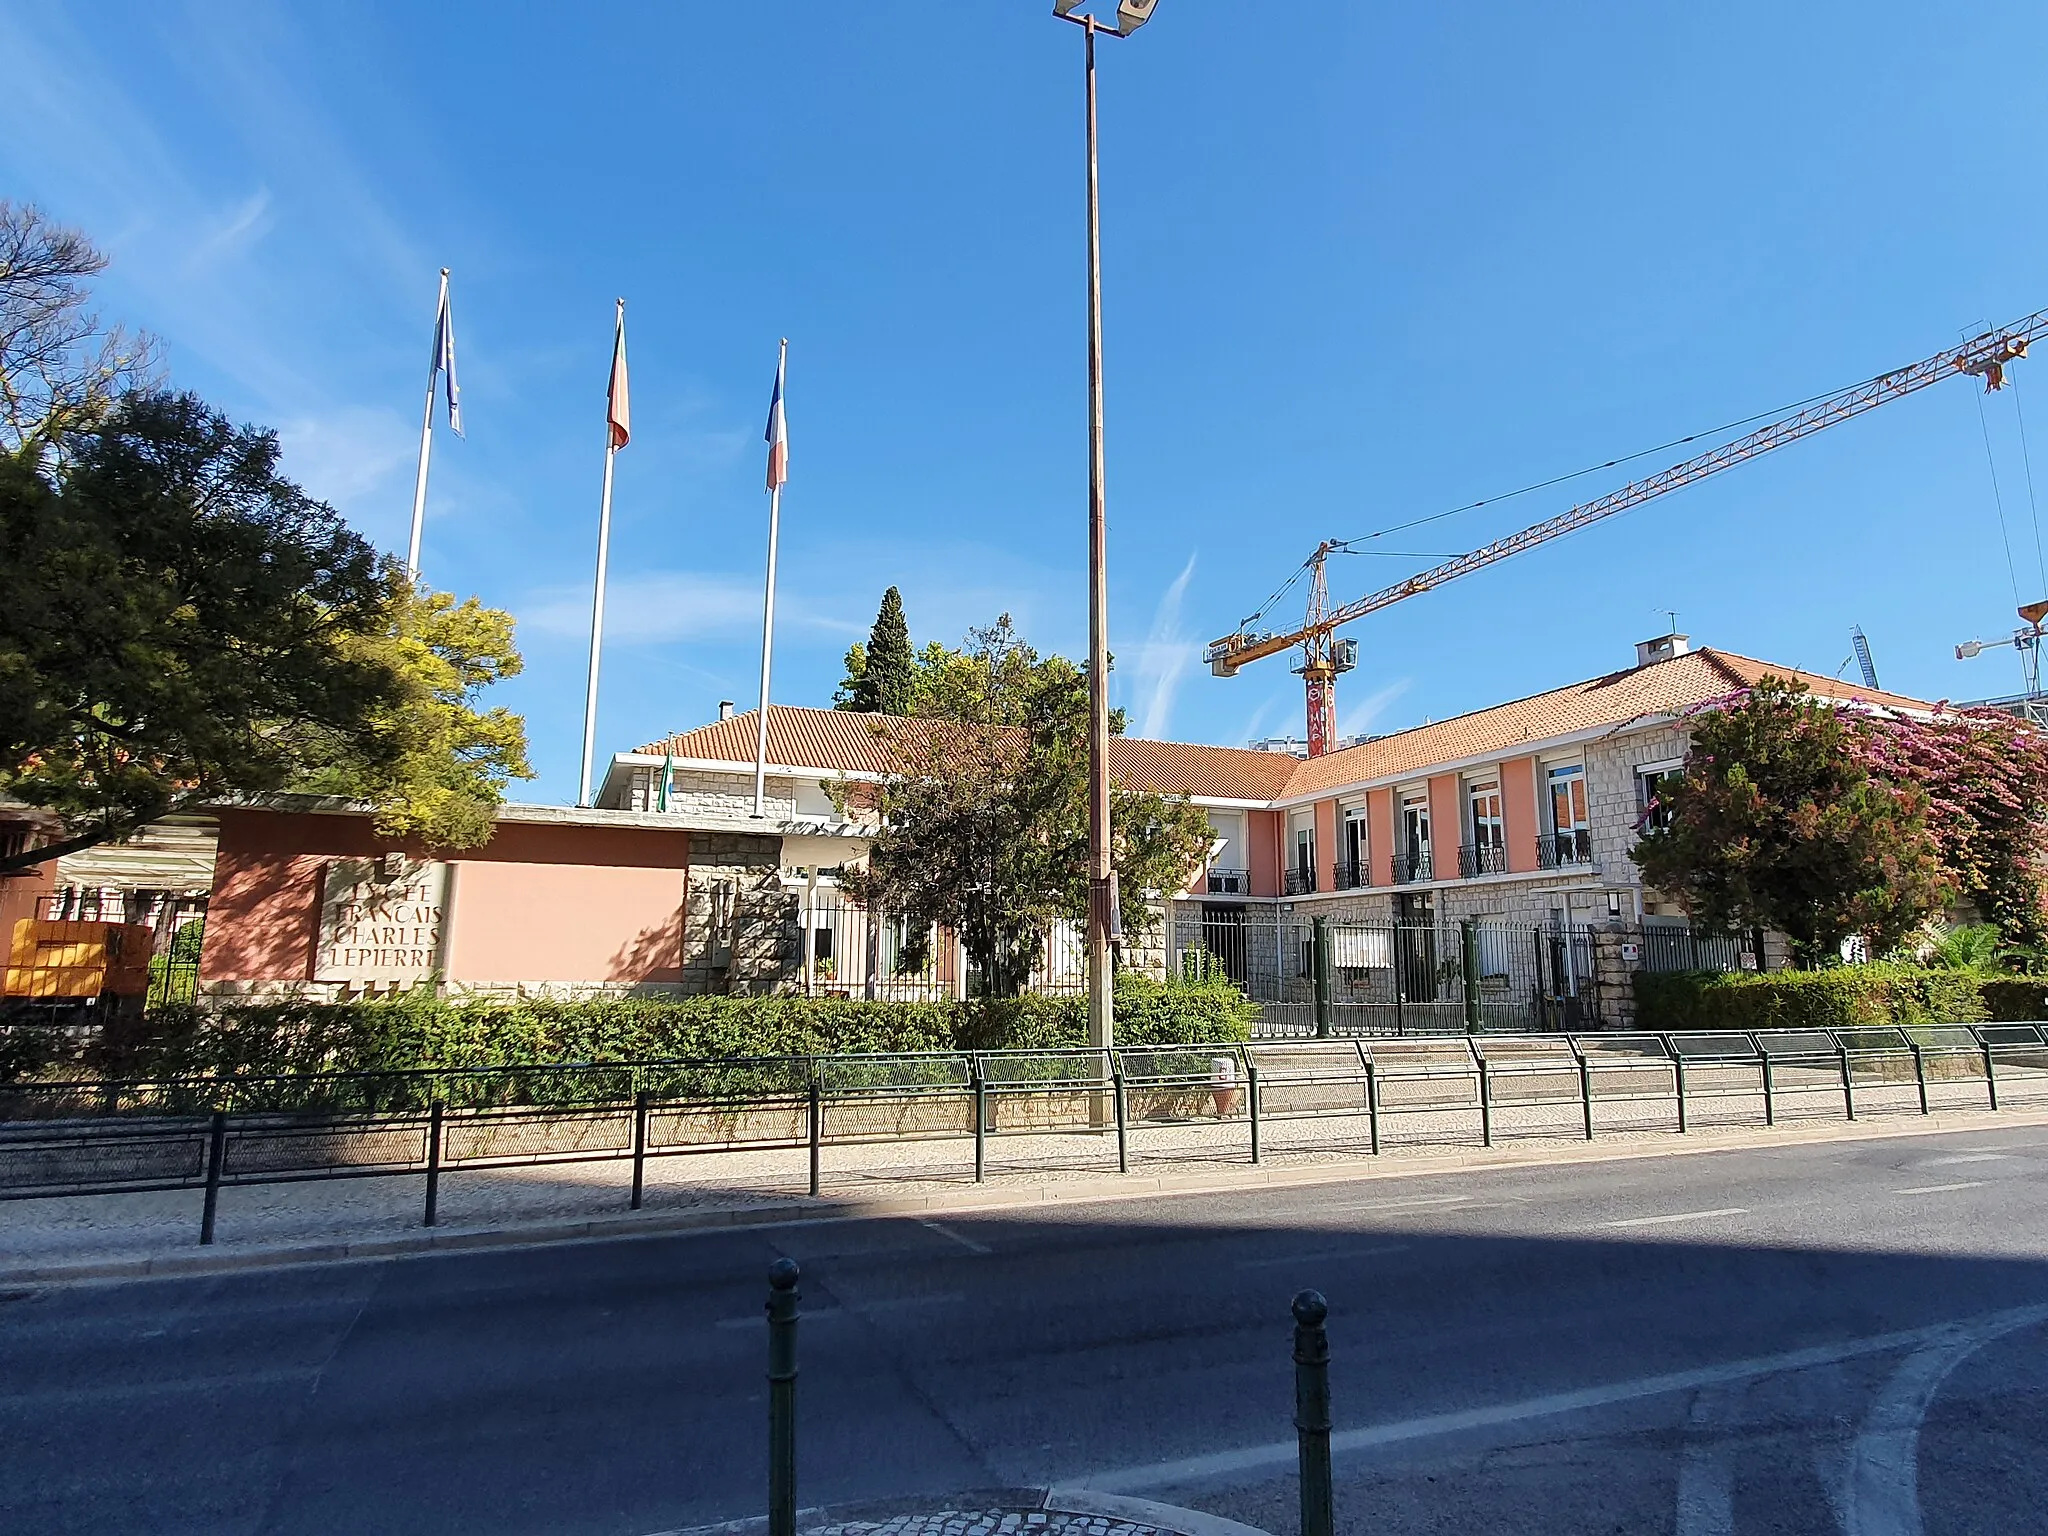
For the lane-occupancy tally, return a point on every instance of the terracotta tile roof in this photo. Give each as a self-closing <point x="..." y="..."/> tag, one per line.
<point x="829" y="740"/>
<point x="1184" y="768"/>
<point x="1662" y="687"/>
<point x="843" y="741"/>
<point x="834" y="741"/>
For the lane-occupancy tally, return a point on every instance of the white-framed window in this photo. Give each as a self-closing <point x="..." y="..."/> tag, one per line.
<point x="1570" y="840"/>
<point x="1487" y="852"/>
<point x="1567" y="783"/>
<point x="1303" y="863"/>
<point x="1354" y="850"/>
<point x="1652" y="815"/>
<point x="1412" y="854"/>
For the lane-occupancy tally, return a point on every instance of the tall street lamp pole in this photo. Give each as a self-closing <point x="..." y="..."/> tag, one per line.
<point x="1103" y="919"/>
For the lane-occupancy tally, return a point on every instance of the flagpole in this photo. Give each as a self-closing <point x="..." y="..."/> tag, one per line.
<point x="604" y="542"/>
<point x="768" y="616"/>
<point x="419" y="488"/>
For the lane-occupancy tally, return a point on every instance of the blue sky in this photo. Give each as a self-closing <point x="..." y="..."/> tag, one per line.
<point x="1362" y="264"/>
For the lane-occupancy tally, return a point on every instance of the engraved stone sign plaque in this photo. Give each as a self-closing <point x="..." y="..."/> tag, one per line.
<point x="381" y="920"/>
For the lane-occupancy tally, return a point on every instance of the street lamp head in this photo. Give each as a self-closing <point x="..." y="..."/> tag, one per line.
<point x="1130" y="14"/>
<point x="1968" y="649"/>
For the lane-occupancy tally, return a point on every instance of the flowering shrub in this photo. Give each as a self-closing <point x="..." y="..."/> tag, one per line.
<point x="1826" y="820"/>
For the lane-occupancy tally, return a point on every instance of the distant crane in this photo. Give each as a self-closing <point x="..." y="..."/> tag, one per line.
<point x="1324" y="658"/>
<point x="2025" y="640"/>
<point x="1862" y="648"/>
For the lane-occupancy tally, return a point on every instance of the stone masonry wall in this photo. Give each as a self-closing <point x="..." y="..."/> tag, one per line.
<point x="740" y="928"/>
<point x="1611" y="793"/>
<point x="711" y="794"/>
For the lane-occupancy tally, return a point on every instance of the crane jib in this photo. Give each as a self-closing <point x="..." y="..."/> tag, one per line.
<point x="1982" y="357"/>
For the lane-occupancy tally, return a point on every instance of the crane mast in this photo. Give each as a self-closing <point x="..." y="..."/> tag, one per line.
<point x="1984" y="356"/>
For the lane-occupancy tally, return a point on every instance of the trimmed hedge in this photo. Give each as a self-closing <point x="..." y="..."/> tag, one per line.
<point x="417" y="1031"/>
<point x="1841" y="997"/>
<point x="2017" y="997"/>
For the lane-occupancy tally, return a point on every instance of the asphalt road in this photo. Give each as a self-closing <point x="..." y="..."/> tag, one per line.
<point x="1838" y="1337"/>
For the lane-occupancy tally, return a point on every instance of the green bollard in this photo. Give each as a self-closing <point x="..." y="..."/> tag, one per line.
<point x="782" y="1299"/>
<point x="1312" y="1414"/>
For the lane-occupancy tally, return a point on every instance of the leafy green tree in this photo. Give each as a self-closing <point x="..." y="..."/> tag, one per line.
<point x="847" y="694"/>
<point x="1777" y="821"/>
<point x="984" y="816"/>
<point x="179" y="622"/>
<point x="432" y="763"/>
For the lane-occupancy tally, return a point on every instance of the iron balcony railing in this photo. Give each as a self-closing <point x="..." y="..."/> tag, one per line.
<point x="1562" y="850"/>
<point x="1300" y="881"/>
<point x="1487" y="858"/>
<point x="1412" y="866"/>
<point x="1351" y="874"/>
<point x="1228" y="882"/>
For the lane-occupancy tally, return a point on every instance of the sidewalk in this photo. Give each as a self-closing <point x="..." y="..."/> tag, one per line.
<point x="130" y="1236"/>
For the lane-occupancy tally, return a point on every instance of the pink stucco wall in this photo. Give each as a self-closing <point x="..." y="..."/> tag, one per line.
<point x="1446" y="825"/>
<point x="263" y="920"/>
<point x="1518" y="812"/>
<point x="1262" y="836"/>
<point x="564" y="922"/>
<point x="1326" y="845"/>
<point x="1379" y="832"/>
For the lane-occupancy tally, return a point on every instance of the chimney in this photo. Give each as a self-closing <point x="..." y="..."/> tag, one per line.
<point x="1663" y="648"/>
<point x="725" y="709"/>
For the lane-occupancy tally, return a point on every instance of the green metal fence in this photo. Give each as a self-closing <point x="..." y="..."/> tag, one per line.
<point x="1152" y="1103"/>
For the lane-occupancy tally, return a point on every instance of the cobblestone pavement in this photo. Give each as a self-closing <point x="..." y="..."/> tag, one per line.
<point x="100" y="1229"/>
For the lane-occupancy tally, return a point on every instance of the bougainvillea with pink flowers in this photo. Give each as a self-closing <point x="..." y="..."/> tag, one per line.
<point x="1985" y="774"/>
<point x="1826" y="821"/>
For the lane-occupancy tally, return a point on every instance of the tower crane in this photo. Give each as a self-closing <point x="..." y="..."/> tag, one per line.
<point x="1323" y="657"/>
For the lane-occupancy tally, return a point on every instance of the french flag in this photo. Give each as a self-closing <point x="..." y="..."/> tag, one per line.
<point x="778" y="429"/>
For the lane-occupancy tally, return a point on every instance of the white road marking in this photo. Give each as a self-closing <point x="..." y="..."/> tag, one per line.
<point x="1658" y="1221"/>
<point x="1881" y="1491"/>
<point x="1706" y="1478"/>
<point x="1323" y="1255"/>
<point x="1256" y="1458"/>
<point x="1967" y="1157"/>
<point x="965" y="1242"/>
<point x="1940" y="1189"/>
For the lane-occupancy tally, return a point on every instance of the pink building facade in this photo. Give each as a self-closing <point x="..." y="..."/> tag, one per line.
<point x="309" y="899"/>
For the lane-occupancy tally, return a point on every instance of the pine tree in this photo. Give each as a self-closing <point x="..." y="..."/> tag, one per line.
<point x="888" y="680"/>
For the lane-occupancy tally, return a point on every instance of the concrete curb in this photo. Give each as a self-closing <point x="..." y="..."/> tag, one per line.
<point x="801" y="1211"/>
<point x="1170" y="1518"/>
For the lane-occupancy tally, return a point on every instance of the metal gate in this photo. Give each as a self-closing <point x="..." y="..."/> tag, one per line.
<point x="1431" y="978"/>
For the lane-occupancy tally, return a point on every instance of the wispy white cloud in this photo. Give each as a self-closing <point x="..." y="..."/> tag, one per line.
<point x="349" y="456"/>
<point x="185" y="248"/>
<point x="660" y="607"/>
<point x="1164" y="659"/>
<point x="241" y="227"/>
<point x="1255" y="721"/>
<point x="1359" y="718"/>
